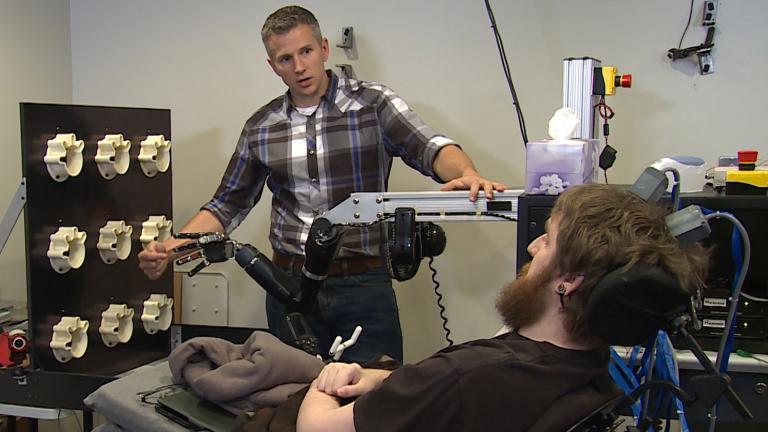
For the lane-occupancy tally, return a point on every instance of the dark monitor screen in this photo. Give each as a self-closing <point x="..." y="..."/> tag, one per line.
<point x="723" y="268"/>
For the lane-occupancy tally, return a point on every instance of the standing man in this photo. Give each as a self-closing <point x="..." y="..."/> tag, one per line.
<point x="324" y="139"/>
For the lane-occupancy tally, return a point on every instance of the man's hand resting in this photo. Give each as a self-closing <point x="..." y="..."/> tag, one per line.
<point x="474" y="183"/>
<point x="347" y="380"/>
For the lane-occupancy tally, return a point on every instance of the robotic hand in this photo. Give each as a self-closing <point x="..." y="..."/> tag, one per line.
<point x="211" y="247"/>
<point x="218" y="247"/>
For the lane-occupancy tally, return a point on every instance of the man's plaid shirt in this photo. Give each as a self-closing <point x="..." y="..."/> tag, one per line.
<point x="311" y="163"/>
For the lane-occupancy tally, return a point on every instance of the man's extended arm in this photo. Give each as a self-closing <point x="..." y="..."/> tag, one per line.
<point x="155" y="257"/>
<point x="321" y="411"/>
<point x="454" y="166"/>
<point x="416" y="143"/>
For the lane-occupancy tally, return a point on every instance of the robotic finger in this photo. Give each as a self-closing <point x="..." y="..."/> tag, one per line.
<point x="201" y="265"/>
<point x="187" y="247"/>
<point x="208" y="246"/>
<point x="189" y="258"/>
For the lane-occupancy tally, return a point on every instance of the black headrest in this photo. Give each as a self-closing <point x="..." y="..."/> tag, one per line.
<point x="628" y="306"/>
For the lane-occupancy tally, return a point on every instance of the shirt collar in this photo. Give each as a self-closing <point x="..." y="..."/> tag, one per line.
<point x="328" y="99"/>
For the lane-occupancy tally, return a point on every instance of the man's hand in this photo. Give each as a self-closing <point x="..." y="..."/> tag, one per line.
<point x="154" y="259"/>
<point x="452" y="163"/>
<point x="349" y="379"/>
<point x="474" y="182"/>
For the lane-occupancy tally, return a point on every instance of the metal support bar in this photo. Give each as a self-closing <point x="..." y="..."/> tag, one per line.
<point x="12" y="213"/>
<point x="578" y="93"/>
<point x="368" y="207"/>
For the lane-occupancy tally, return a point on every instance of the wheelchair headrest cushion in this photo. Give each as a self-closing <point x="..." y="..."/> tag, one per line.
<point x="628" y="306"/>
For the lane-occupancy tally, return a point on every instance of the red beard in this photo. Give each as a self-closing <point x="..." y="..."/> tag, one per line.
<point x="522" y="301"/>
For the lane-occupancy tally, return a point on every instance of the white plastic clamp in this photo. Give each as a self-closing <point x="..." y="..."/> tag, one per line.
<point x="112" y="156"/>
<point x="155" y="155"/>
<point x="338" y="347"/>
<point x="67" y="249"/>
<point x="156" y="228"/>
<point x="158" y="313"/>
<point x="70" y="338"/>
<point x="64" y="157"/>
<point x="114" y="241"/>
<point x="116" y="324"/>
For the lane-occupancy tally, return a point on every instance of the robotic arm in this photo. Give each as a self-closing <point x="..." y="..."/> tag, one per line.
<point x="410" y="233"/>
<point x="410" y="236"/>
<point x="218" y="247"/>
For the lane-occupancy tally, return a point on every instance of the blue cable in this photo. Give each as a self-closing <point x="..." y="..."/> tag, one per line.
<point x="736" y="254"/>
<point x="737" y="257"/>
<point x="642" y="372"/>
<point x="666" y="366"/>
<point x="633" y="355"/>
<point x="625" y="379"/>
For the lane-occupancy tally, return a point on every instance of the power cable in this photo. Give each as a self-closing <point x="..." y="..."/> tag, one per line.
<point x="690" y="15"/>
<point x="507" y="75"/>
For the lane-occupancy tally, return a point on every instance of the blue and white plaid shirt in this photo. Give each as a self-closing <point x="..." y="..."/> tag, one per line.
<point x="312" y="163"/>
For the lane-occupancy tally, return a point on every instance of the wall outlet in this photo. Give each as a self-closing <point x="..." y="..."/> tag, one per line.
<point x="710" y="13"/>
<point x="347" y="38"/>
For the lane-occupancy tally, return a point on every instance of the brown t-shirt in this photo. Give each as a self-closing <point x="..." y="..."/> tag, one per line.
<point x="505" y="383"/>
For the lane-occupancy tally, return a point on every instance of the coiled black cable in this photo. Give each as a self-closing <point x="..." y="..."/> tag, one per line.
<point x="440" y="302"/>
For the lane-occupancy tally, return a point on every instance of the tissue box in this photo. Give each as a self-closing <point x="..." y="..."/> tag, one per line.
<point x="551" y="166"/>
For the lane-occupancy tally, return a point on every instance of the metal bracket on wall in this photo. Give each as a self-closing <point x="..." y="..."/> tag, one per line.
<point x="347" y="38"/>
<point x="346" y="71"/>
<point x="347" y="43"/>
<point x="703" y="51"/>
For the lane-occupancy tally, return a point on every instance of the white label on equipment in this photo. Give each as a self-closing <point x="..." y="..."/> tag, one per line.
<point x="714" y="323"/>
<point x="715" y="302"/>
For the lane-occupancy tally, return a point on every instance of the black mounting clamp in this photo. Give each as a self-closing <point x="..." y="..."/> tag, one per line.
<point x="703" y="51"/>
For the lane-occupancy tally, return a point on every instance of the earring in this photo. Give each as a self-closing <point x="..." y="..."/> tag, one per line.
<point x="560" y="291"/>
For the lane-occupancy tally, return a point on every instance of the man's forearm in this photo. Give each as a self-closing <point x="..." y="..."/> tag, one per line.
<point x="203" y="221"/>
<point x="321" y="412"/>
<point x="451" y="163"/>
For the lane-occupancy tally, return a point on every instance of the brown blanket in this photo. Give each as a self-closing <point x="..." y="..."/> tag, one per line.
<point x="262" y="372"/>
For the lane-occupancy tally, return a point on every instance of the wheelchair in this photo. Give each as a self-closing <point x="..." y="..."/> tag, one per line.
<point x="627" y="308"/>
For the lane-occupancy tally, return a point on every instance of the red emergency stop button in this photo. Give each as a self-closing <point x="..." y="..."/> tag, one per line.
<point x="625" y="80"/>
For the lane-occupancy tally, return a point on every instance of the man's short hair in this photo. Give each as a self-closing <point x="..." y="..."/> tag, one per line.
<point x="286" y="19"/>
<point x="604" y="227"/>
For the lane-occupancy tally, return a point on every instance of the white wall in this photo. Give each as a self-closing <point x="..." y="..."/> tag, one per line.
<point x="36" y="67"/>
<point x="204" y="61"/>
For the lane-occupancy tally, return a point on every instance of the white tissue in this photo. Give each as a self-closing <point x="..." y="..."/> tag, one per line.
<point x="564" y="124"/>
<point x="550" y="184"/>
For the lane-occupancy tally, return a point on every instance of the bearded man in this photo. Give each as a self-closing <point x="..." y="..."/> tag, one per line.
<point x="509" y="382"/>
